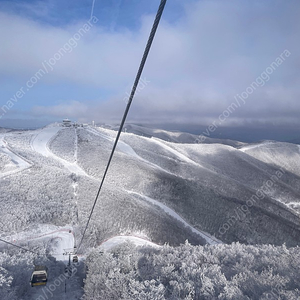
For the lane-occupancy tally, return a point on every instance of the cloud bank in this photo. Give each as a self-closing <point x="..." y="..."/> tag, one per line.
<point x="196" y="68"/>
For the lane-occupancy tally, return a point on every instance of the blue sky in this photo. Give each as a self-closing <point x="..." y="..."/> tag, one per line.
<point x="205" y="53"/>
<point x="112" y="14"/>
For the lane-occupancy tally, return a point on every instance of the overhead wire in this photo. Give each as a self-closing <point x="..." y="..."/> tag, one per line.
<point x="25" y="249"/>
<point x="135" y="85"/>
<point x="19" y="247"/>
<point x="14" y="245"/>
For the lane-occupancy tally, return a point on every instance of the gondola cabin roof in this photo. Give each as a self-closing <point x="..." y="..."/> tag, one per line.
<point x="39" y="276"/>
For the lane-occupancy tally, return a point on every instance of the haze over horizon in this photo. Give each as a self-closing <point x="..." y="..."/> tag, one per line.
<point x="230" y="66"/>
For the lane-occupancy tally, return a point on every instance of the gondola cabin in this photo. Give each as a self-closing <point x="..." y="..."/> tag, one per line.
<point x="39" y="276"/>
<point x="75" y="259"/>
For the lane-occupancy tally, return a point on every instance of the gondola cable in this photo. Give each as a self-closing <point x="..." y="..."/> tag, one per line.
<point x="25" y="249"/>
<point x="14" y="245"/>
<point x="135" y="85"/>
<point x="40" y="274"/>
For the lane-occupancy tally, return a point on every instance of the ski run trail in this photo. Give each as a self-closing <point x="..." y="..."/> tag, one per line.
<point x="125" y="148"/>
<point x="17" y="163"/>
<point x="60" y="241"/>
<point x="257" y="145"/>
<point x="117" y="240"/>
<point x="40" y="145"/>
<point x="208" y="238"/>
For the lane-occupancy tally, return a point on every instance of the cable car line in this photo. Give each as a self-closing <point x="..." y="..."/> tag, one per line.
<point x="40" y="273"/>
<point x="136" y="82"/>
<point x="25" y="249"/>
<point x="19" y="247"/>
<point x="39" y="276"/>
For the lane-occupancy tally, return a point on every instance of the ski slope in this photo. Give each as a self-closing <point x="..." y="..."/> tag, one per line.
<point x="62" y="244"/>
<point x="64" y="282"/>
<point x="209" y="239"/>
<point x="176" y="153"/>
<point x="118" y="240"/>
<point x="196" y="163"/>
<point x="123" y="147"/>
<point x="40" y="145"/>
<point x="253" y="146"/>
<point x="126" y="149"/>
<point x="19" y="163"/>
<point x="59" y="240"/>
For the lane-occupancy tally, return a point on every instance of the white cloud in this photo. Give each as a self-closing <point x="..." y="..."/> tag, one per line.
<point x="196" y="66"/>
<point x="71" y="109"/>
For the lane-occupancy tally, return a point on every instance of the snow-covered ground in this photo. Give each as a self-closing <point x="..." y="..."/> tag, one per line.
<point x="173" y="151"/>
<point x="283" y="155"/>
<point x="64" y="281"/>
<point x="58" y="240"/>
<point x="209" y="239"/>
<point x="123" y="147"/>
<point x="118" y="240"/>
<point x="61" y="245"/>
<point x="294" y="204"/>
<point x="201" y="182"/>
<point x="40" y="145"/>
<point x="40" y="141"/>
<point x="18" y="163"/>
<point x="253" y="146"/>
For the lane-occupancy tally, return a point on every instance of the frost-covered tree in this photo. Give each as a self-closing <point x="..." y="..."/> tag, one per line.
<point x="194" y="272"/>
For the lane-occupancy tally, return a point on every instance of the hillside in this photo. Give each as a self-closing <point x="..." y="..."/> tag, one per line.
<point x="206" y="184"/>
<point x="157" y="191"/>
<point x="176" y="136"/>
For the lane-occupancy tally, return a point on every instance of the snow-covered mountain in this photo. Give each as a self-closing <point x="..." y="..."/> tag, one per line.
<point x="175" y="136"/>
<point x="162" y="187"/>
<point x="206" y="184"/>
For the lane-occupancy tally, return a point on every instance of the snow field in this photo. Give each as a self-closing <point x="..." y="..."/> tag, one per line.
<point x="40" y="145"/>
<point x="118" y="240"/>
<point x="63" y="144"/>
<point x="209" y="239"/>
<point x="13" y="162"/>
<point x="196" y="184"/>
